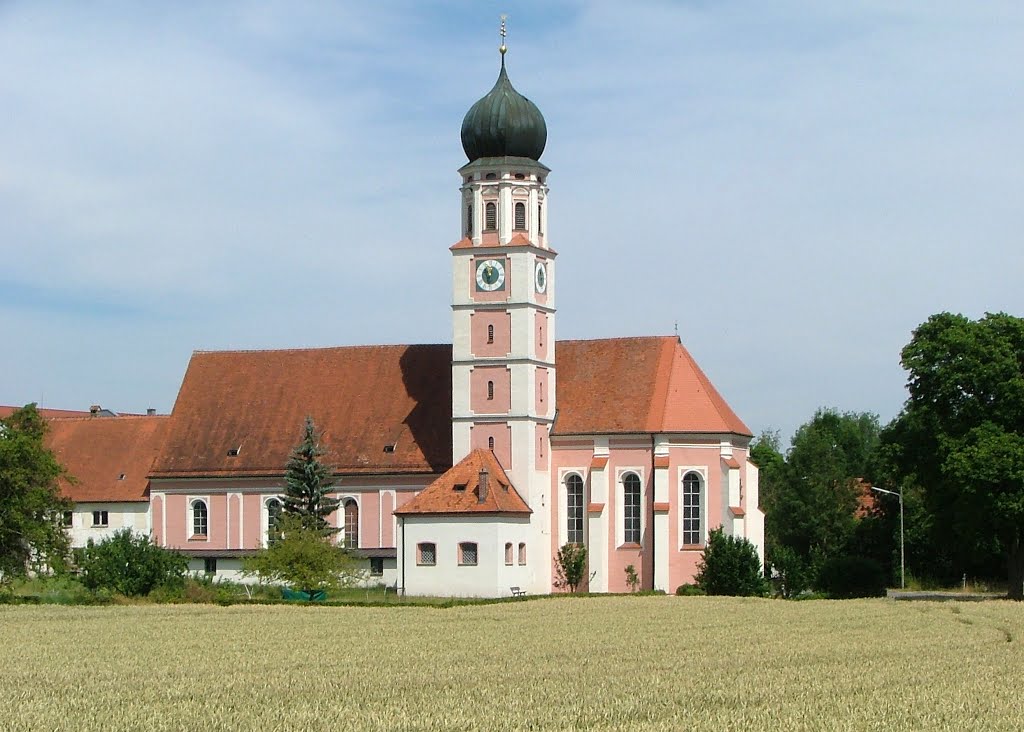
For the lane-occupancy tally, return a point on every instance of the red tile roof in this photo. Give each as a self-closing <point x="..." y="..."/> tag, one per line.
<point x="636" y="385"/>
<point x="98" y="451"/>
<point x="363" y="398"/>
<point x="366" y="397"/>
<point x="442" y="497"/>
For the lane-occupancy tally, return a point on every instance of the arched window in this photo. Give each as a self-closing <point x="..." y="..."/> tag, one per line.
<point x="491" y="216"/>
<point x="691" y="509"/>
<point x="469" y="220"/>
<point x="575" y="508"/>
<point x="274" y="507"/>
<point x="490" y="444"/>
<point x="631" y="508"/>
<point x="351" y="535"/>
<point x="522" y="552"/>
<point x="520" y="215"/>
<point x="490" y="334"/>
<point x="508" y="553"/>
<point x="490" y="390"/>
<point x="200" y="518"/>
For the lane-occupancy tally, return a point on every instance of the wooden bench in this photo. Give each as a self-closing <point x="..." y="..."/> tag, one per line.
<point x="517" y="592"/>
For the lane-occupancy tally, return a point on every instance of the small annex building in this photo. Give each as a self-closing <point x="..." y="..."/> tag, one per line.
<point x="463" y="467"/>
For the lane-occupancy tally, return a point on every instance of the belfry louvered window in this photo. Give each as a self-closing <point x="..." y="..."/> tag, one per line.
<point x="691" y="509"/>
<point x="631" y="508"/>
<point x="469" y="220"/>
<point x="520" y="216"/>
<point x="491" y="216"/>
<point x="574" y="508"/>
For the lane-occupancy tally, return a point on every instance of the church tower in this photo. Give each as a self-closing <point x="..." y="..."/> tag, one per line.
<point x="503" y="301"/>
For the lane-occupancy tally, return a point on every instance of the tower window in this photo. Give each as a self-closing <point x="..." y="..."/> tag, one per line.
<point x="490" y="444"/>
<point x="574" y="504"/>
<point x="490" y="334"/>
<point x="469" y="220"/>
<point x="540" y="218"/>
<point x="520" y="215"/>
<point x="491" y="176"/>
<point x="520" y="176"/>
<point x="491" y="216"/>
<point x="490" y="390"/>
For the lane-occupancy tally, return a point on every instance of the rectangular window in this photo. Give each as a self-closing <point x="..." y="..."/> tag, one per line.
<point x="67" y="518"/>
<point x="99" y="518"/>
<point x="376" y="566"/>
<point x="210" y="565"/>
<point x="426" y="554"/>
<point x="490" y="217"/>
<point x="467" y="554"/>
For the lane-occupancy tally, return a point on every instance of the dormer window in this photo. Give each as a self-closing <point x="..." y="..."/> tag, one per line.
<point x="460" y="487"/>
<point x="491" y="216"/>
<point x="233" y="452"/>
<point x="521" y="216"/>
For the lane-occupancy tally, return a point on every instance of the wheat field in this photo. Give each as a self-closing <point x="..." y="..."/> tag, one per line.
<point x="612" y="663"/>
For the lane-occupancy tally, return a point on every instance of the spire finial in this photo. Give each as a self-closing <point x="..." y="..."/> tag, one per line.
<point x="503" y="48"/>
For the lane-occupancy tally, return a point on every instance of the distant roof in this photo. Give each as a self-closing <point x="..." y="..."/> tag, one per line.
<point x="6" y="411"/>
<point x="458" y="490"/>
<point x="648" y="384"/>
<point x="97" y="452"/>
<point x="387" y="409"/>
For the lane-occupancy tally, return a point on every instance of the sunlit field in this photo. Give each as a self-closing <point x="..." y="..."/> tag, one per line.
<point x="644" y="663"/>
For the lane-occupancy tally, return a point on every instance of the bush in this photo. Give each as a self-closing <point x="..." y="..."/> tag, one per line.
<point x="129" y="564"/>
<point x="852" y="576"/>
<point x="790" y="575"/>
<point x="570" y="566"/>
<point x="689" y="591"/>
<point x="730" y="566"/>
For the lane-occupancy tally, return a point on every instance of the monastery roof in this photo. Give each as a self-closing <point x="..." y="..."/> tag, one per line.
<point x="458" y="490"/>
<point x="97" y="452"/>
<point x="365" y="399"/>
<point x="636" y="385"/>
<point x="7" y="411"/>
<point x="381" y="409"/>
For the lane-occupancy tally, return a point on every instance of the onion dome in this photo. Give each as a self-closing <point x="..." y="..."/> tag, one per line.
<point x="504" y="123"/>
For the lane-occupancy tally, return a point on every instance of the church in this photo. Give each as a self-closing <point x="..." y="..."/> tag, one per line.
<point x="461" y="468"/>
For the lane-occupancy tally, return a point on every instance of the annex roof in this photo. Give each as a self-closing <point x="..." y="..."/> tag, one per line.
<point x="109" y="458"/>
<point x="458" y="490"/>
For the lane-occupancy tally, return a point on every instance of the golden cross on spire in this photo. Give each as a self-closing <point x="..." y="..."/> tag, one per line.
<point x="502" y="48"/>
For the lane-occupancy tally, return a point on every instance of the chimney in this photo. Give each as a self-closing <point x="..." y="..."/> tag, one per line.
<point x="94" y="410"/>
<point x="151" y="412"/>
<point x="483" y="485"/>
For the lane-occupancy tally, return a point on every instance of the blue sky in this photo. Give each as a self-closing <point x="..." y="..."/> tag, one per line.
<point x="797" y="184"/>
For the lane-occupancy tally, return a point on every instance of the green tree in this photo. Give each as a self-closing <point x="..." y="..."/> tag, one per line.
<point x="811" y="505"/>
<point x="730" y="566"/>
<point x="131" y="564"/>
<point x="31" y="507"/>
<point x="960" y="436"/>
<point x="570" y="566"/>
<point x="307" y="481"/>
<point x="304" y="559"/>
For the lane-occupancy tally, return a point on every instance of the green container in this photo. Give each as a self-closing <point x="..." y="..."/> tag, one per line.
<point x="318" y="596"/>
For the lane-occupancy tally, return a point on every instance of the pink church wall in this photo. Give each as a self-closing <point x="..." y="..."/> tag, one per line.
<point x="369" y="520"/>
<point x="502" y="322"/>
<point x="683" y="561"/>
<point x="575" y="456"/>
<point x="387" y="507"/>
<point x="540" y="335"/>
<point x="234" y="519"/>
<point x="175" y="508"/>
<point x="622" y="460"/>
<point x="479" y="378"/>
<point x="502" y="434"/>
<point x="542" y="401"/>
<point x="252" y="525"/>
<point x="157" y="506"/>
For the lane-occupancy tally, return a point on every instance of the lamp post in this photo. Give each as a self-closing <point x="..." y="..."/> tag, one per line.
<point x="903" y="567"/>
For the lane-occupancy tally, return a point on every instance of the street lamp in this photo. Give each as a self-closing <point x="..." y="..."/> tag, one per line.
<point x="903" y="567"/>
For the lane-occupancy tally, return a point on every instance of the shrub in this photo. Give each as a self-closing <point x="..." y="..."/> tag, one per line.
<point x="129" y="564"/>
<point x="632" y="578"/>
<point x="730" y="566"/>
<point x="852" y="576"/>
<point x="570" y="566"/>
<point x="688" y="590"/>
<point x="790" y="575"/>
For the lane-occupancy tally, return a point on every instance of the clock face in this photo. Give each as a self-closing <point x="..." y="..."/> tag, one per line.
<point x="541" y="277"/>
<point x="490" y="275"/>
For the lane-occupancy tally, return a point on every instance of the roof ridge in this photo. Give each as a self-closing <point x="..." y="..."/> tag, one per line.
<point x="110" y="418"/>
<point x="662" y="384"/>
<point x="318" y="348"/>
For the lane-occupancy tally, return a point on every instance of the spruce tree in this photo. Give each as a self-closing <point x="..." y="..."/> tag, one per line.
<point x="307" y="481"/>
